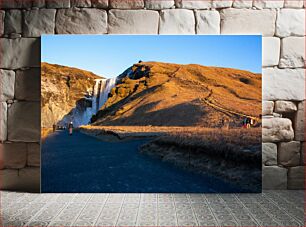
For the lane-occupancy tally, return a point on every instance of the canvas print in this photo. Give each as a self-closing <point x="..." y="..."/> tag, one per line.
<point x="175" y="114"/>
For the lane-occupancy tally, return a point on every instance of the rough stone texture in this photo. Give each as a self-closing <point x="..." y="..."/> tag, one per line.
<point x="9" y="179"/>
<point x="100" y="3"/>
<point x="285" y="107"/>
<point x="39" y="3"/>
<point x="293" y="52"/>
<point x="293" y="3"/>
<point x="296" y="177"/>
<point x="221" y="3"/>
<point x="178" y="21"/>
<point x="38" y="22"/>
<point x="27" y="86"/>
<point x="289" y="153"/>
<point x="261" y="4"/>
<point x="30" y="179"/>
<point x="2" y="15"/>
<point x="277" y="129"/>
<point x="277" y="115"/>
<point x="55" y="4"/>
<point x="33" y="154"/>
<point x="191" y="4"/>
<point x="208" y="22"/>
<point x="3" y="121"/>
<point x="7" y="81"/>
<point x="303" y="160"/>
<point x="80" y="3"/>
<point x="26" y="179"/>
<point x="133" y="22"/>
<point x="126" y="4"/>
<point x="270" y="51"/>
<point x="13" y="155"/>
<point x="267" y="107"/>
<point x="15" y="4"/>
<point x="269" y="154"/>
<point x="24" y="122"/>
<point x="299" y="122"/>
<point x="13" y="21"/>
<point x="248" y="21"/>
<point x="81" y="21"/>
<point x="19" y="53"/>
<point x="290" y="22"/>
<point x="283" y="84"/>
<point x="159" y="4"/>
<point x="274" y="177"/>
<point x="242" y="4"/>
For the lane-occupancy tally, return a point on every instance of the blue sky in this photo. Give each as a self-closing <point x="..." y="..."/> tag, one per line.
<point x="110" y="55"/>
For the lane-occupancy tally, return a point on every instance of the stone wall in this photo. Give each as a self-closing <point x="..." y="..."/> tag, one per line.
<point x="281" y="22"/>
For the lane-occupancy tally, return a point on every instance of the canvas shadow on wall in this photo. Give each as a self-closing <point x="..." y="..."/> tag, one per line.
<point x="151" y="114"/>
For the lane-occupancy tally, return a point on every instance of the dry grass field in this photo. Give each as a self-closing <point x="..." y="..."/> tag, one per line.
<point x="234" y="155"/>
<point x="192" y="135"/>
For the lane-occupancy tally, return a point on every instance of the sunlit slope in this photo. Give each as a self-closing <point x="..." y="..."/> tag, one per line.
<point x="163" y="94"/>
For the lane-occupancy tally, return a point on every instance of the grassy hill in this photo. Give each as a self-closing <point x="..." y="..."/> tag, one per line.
<point x="164" y="94"/>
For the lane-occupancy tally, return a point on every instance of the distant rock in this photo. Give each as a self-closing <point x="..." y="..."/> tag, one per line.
<point x="62" y="88"/>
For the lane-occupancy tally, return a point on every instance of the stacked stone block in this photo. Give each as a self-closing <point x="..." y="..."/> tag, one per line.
<point x="281" y="22"/>
<point x="283" y="143"/>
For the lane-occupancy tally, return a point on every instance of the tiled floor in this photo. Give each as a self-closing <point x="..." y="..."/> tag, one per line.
<point x="271" y="208"/>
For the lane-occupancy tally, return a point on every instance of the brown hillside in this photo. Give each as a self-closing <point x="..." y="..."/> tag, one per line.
<point x="61" y="88"/>
<point x="163" y="94"/>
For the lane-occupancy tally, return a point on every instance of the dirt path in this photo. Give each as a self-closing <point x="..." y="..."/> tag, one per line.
<point x="228" y="112"/>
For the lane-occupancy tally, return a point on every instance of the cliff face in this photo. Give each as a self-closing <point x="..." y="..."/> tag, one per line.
<point x="65" y="92"/>
<point x="163" y="94"/>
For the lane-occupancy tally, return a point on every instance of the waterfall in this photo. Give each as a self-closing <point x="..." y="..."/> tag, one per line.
<point x="82" y="114"/>
<point x="96" y="93"/>
<point x="105" y="88"/>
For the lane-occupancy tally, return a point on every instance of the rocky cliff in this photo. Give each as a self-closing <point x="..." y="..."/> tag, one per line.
<point x="65" y="92"/>
<point x="163" y="94"/>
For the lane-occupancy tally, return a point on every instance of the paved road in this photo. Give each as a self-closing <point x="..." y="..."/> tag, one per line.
<point x="80" y="163"/>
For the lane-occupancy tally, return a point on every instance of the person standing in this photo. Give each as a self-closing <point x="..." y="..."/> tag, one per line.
<point x="70" y="127"/>
<point x="248" y="122"/>
<point x="244" y="122"/>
